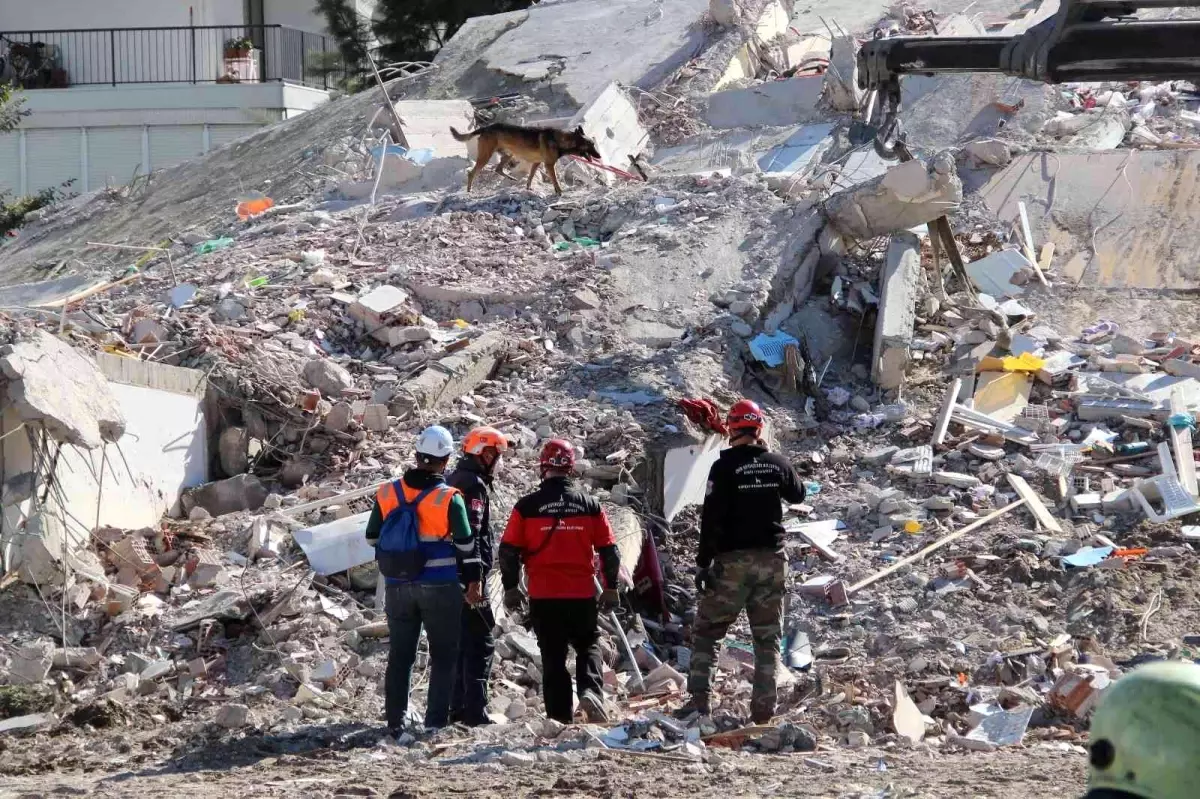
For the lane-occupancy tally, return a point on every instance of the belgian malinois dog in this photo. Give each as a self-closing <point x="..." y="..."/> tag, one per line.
<point x="535" y="146"/>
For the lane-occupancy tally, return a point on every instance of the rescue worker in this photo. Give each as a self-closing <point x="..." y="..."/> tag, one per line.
<point x="741" y="562"/>
<point x="482" y="449"/>
<point x="556" y="532"/>
<point x="1144" y="741"/>
<point x="426" y="554"/>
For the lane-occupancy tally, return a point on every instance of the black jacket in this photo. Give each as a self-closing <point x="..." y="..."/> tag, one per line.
<point x="743" y="505"/>
<point x="470" y="477"/>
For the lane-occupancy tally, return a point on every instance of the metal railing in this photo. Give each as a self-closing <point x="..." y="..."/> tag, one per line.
<point x="52" y="59"/>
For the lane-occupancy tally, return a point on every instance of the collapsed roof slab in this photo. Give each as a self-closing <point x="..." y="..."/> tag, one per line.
<point x="1139" y="208"/>
<point x="582" y="45"/>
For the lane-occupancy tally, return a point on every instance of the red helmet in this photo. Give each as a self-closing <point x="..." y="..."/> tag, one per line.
<point x="557" y="454"/>
<point x="745" y="415"/>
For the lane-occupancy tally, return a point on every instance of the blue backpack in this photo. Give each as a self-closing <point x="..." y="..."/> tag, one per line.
<point x="399" y="552"/>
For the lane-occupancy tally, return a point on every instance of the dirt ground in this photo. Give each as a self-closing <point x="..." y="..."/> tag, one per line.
<point x="336" y="762"/>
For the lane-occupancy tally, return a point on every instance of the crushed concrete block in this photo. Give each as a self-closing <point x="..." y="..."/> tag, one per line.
<point x="990" y="152"/>
<point x="584" y="300"/>
<point x="329" y="378"/>
<point x="899" y="287"/>
<point x="905" y="196"/>
<point x="956" y="479"/>
<point x="76" y="657"/>
<point x="50" y="383"/>
<point x="244" y="492"/>
<point x="233" y="716"/>
<point x="374" y="307"/>
<point x="459" y="373"/>
<point x="31" y="663"/>
<point x="375" y="418"/>
<point x="338" y="418"/>
<point x="400" y="335"/>
<point x="207" y="568"/>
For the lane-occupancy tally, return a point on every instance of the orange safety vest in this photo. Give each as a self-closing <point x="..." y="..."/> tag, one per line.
<point x="433" y="513"/>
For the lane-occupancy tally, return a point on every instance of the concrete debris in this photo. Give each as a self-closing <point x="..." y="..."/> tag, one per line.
<point x="899" y="286"/>
<point x="243" y="492"/>
<point x="51" y="384"/>
<point x="1003" y="467"/>
<point x="905" y="196"/>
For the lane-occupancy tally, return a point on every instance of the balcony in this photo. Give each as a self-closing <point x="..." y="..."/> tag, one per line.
<point x="59" y="59"/>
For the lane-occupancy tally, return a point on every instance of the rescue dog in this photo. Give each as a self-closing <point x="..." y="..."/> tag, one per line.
<point x="534" y="146"/>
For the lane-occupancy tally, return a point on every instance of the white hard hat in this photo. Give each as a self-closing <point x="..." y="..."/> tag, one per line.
<point x="436" y="442"/>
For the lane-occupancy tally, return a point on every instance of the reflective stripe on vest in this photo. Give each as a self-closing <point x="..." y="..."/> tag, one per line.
<point x="433" y="514"/>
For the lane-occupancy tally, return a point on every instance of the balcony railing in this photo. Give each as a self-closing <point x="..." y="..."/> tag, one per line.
<point x="51" y="59"/>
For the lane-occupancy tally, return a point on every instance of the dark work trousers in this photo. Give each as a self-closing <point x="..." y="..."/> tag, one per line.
<point x="437" y="606"/>
<point x="468" y="702"/>
<point x="557" y="624"/>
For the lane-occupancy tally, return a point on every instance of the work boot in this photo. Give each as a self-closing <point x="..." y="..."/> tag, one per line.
<point x="593" y="708"/>
<point x="697" y="704"/>
<point x="762" y="716"/>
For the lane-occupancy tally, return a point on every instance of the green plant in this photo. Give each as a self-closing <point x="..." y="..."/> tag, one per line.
<point x="10" y="107"/>
<point x="13" y="211"/>
<point x="239" y="44"/>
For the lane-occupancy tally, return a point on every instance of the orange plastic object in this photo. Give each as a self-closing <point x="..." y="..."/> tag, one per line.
<point x="249" y="208"/>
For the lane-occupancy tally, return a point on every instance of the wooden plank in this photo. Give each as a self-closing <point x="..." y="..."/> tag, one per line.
<point x="1036" y="506"/>
<point x="1181" y="442"/>
<point x="936" y="545"/>
<point x="948" y="404"/>
<point x="1027" y="240"/>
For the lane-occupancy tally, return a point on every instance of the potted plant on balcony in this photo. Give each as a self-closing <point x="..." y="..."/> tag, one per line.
<point x="239" y="47"/>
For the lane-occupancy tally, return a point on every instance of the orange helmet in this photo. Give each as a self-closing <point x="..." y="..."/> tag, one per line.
<point x="479" y="439"/>
<point x="745" y="415"/>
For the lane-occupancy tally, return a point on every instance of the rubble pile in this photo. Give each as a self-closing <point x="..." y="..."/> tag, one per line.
<point x="997" y="517"/>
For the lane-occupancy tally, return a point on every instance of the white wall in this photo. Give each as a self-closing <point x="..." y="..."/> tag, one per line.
<point x="100" y="135"/>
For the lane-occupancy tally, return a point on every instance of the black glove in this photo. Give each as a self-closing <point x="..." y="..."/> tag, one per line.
<point x="514" y="600"/>
<point x="704" y="579"/>
<point x="610" y="598"/>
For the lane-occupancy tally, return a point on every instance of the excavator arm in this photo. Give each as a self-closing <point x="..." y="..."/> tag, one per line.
<point x="1087" y="40"/>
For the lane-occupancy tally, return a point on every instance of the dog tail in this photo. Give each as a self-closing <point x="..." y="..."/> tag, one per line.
<point x="463" y="136"/>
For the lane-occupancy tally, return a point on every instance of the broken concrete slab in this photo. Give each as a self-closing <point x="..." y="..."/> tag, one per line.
<point x="627" y="42"/>
<point x="244" y="492"/>
<point x="904" y="197"/>
<point x="52" y="384"/>
<point x="425" y="125"/>
<point x="459" y="373"/>
<point x="1152" y="233"/>
<point x="611" y="122"/>
<point x="899" y="288"/>
<point x="778" y="103"/>
<point x="224" y="604"/>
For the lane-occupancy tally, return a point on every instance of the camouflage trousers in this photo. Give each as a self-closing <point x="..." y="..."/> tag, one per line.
<point x="750" y="579"/>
